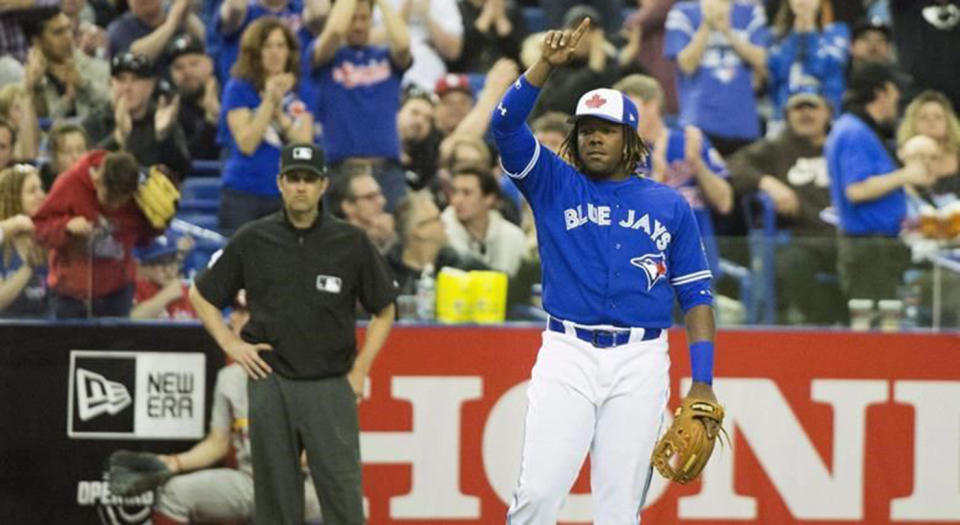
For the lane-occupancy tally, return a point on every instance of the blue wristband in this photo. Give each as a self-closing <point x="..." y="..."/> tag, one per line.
<point x="701" y="362"/>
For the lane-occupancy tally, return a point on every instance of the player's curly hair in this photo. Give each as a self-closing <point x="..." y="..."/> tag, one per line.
<point x="634" y="154"/>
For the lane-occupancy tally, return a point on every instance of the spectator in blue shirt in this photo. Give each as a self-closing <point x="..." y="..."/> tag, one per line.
<point x="359" y="87"/>
<point x="719" y="47"/>
<point x="867" y="187"/>
<point x="809" y="52"/>
<point x="263" y="109"/>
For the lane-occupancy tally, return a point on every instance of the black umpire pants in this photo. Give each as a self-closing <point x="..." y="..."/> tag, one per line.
<point x="320" y="416"/>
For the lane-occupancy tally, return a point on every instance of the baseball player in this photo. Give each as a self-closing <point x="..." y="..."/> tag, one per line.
<point x="615" y="248"/>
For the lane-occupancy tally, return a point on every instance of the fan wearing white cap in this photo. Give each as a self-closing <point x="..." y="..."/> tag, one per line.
<point x="616" y="247"/>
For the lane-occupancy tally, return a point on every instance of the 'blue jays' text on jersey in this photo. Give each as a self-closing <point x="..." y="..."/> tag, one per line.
<point x="613" y="252"/>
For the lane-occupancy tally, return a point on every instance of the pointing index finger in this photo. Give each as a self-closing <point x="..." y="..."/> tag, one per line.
<point x="581" y="29"/>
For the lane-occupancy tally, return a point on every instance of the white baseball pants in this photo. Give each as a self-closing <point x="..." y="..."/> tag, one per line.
<point x="221" y="494"/>
<point x="605" y="401"/>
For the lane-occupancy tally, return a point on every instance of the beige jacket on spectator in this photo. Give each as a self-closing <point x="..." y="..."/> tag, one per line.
<point x="502" y="249"/>
<point x="93" y="93"/>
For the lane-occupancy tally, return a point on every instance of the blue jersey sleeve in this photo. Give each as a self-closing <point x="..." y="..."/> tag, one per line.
<point x="689" y="272"/>
<point x="680" y="29"/>
<point x="757" y="30"/>
<point x="533" y="168"/>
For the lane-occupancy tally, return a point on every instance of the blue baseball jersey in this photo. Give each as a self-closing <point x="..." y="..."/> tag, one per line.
<point x="612" y="252"/>
<point x="365" y="80"/>
<point x="854" y="153"/>
<point x="718" y="97"/>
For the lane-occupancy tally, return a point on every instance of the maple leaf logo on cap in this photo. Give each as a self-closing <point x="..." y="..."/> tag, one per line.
<point x="595" y="101"/>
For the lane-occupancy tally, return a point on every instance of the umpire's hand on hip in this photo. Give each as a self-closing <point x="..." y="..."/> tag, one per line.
<point x="248" y="356"/>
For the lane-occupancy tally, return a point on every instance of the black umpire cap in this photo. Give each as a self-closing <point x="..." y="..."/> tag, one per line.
<point x="303" y="156"/>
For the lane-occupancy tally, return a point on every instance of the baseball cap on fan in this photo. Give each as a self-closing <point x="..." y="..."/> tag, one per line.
<point x="303" y="156"/>
<point x="608" y="104"/>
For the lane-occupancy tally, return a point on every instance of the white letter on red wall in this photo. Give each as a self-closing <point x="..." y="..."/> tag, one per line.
<point x="809" y="490"/>
<point x="432" y="447"/>
<point x="936" y="451"/>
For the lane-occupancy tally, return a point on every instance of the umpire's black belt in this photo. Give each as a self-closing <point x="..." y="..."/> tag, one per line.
<point x="602" y="338"/>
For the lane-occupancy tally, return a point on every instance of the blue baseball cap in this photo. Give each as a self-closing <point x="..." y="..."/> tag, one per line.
<point x="158" y="249"/>
<point x="610" y="105"/>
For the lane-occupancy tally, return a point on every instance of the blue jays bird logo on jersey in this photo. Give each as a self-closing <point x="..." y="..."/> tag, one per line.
<point x="654" y="266"/>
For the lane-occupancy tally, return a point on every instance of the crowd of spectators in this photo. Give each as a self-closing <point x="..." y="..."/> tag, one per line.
<point x="794" y="103"/>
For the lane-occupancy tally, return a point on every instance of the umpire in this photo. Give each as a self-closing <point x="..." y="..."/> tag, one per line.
<point x="303" y="273"/>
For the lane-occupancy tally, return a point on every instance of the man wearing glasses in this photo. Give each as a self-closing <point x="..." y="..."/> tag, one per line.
<point x="358" y="199"/>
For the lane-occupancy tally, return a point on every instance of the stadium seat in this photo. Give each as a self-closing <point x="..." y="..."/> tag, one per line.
<point x="199" y="206"/>
<point x="763" y="238"/>
<point x="205" y="168"/>
<point x="201" y="188"/>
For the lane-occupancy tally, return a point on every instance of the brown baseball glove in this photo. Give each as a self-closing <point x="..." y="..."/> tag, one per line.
<point x="684" y="450"/>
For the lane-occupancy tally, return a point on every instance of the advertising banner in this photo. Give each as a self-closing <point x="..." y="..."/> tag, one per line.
<point x="825" y="427"/>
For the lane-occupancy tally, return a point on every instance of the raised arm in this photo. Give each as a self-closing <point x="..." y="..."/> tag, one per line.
<point x="398" y="36"/>
<point x="513" y="137"/>
<point x="232" y="14"/>
<point x="334" y="31"/>
<point x="152" y="45"/>
<point x="314" y="12"/>
<point x="501" y="76"/>
<point x="447" y="43"/>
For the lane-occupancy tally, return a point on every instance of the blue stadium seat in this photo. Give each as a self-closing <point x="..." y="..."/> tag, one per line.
<point x="199" y="206"/>
<point x="534" y="19"/>
<point x="202" y="188"/>
<point x="763" y="237"/>
<point x="205" y="168"/>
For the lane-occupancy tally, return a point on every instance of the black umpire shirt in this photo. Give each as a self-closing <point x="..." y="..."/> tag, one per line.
<point x="302" y="286"/>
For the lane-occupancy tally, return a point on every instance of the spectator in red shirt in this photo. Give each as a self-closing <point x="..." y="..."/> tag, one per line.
<point x="90" y="222"/>
<point x="161" y="292"/>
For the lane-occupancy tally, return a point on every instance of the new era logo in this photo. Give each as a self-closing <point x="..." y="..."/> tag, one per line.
<point x="98" y="395"/>
<point x="303" y="153"/>
<point x="595" y="101"/>
<point x="139" y="395"/>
